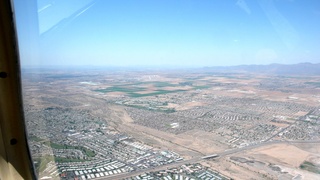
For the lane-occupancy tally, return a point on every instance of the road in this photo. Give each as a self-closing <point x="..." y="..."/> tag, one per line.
<point x="198" y="159"/>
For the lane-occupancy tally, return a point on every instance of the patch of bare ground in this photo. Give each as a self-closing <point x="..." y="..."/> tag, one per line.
<point x="277" y="161"/>
<point x="286" y="157"/>
<point x="283" y="153"/>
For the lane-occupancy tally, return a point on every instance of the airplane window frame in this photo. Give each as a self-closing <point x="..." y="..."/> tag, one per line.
<point x="15" y="159"/>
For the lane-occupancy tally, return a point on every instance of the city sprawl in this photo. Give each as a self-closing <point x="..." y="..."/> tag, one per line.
<point x="173" y="124"/>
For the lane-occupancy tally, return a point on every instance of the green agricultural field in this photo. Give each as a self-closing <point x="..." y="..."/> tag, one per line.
<point x="124" y="89"/>
<point x="133" y="89"/>
<point x="201" y="87"/>
<point x="163" y="84"/>
<point x="154" y="83"/>
<point x="64" y="160"/>
<point x="158" y="92"/>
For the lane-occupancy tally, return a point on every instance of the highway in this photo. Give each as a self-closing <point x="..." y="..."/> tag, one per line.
<point x="198" y="159"/>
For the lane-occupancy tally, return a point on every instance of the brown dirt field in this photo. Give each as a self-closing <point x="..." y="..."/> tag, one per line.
<point x="312" y="148"/>
<point x="288" y="157"/>
<point x="282" y="154"/>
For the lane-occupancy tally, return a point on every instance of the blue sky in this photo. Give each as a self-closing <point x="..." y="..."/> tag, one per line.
<point x="188" y="33"/>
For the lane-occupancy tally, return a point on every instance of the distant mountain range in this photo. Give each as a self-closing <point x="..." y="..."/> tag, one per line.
<point x="275" y="69"/>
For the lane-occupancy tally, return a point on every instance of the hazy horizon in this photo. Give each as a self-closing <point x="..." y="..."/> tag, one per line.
<point x="155" y="66"/>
